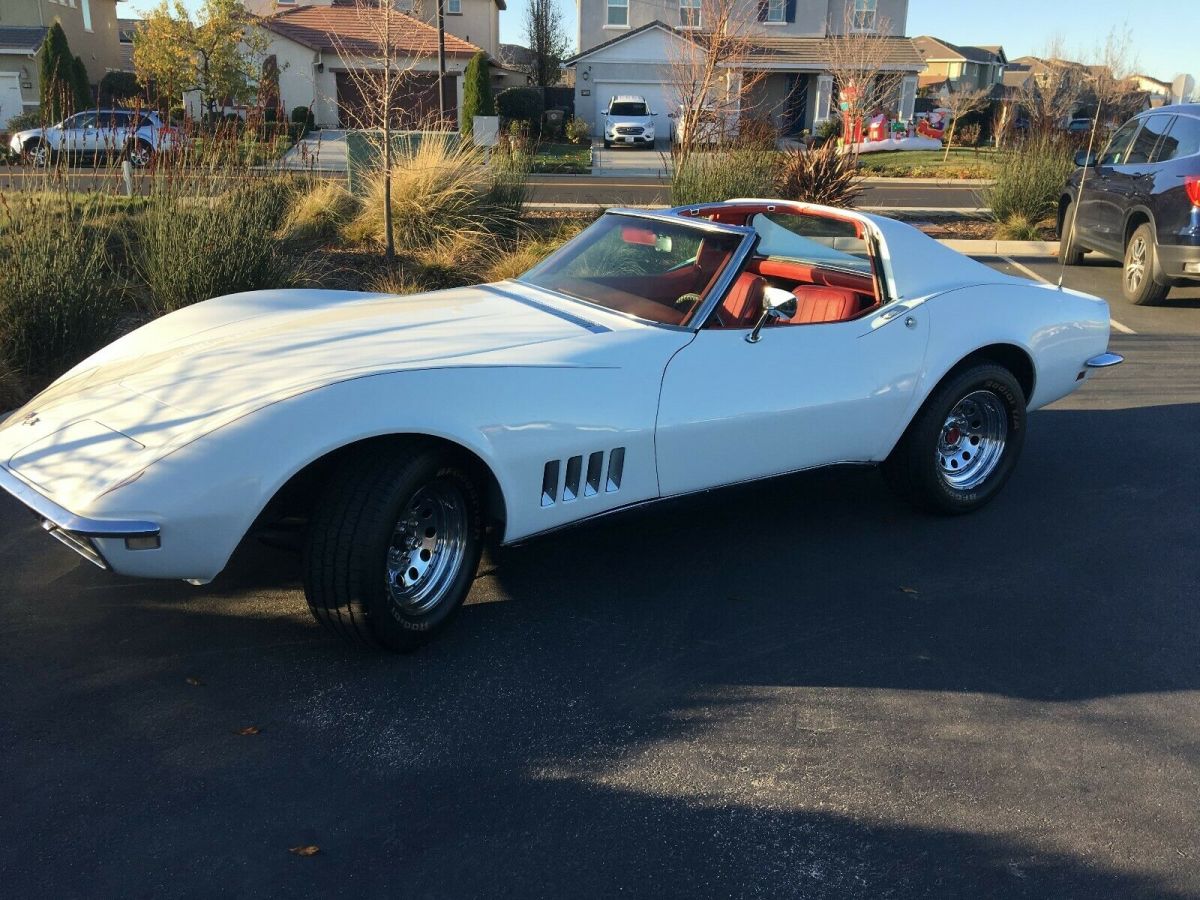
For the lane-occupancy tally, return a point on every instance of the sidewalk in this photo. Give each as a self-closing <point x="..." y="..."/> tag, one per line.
<point x="318" y="151"/>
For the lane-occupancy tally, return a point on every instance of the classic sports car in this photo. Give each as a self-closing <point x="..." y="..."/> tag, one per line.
<point x="654" y="355"/>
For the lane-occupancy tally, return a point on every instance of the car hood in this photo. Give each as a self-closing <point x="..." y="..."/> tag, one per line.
<point x="197" y="369"/>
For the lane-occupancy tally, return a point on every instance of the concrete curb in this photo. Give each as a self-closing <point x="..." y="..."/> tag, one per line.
<point x="883" y="181"/>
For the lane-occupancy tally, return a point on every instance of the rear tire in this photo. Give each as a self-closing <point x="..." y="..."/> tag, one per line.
<point x="140" y="154"/>
<point x="962" y="446"/>
<point x="1139" y="280"/>
<point x="393" y="546"/>
<point x="608" y="145"/>
<point x="1069" y="253"/>
<point x="38" y="154"/>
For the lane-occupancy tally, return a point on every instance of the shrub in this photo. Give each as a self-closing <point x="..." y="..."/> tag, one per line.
<point x="522" y="105"/>
<point x="1029" y="179"/>
<point x="821" y="175"/>
<point x="830" y="128"/>
<point x="968" y="135"/>
<point x="59" y="298"/>
<point x="757" y="132"/>
<point x="116" y="86"/>
<point x="712" y="177"/>
<point x="30" y="118"/>
<point x="477" y="92"/>
<point x="303" y="115"/>
<point x="1017" y="228"/>
<point x="190" y="247"/>
<point x="319" y="212"/>
<point x="579" y="131"/>
<point x="440" y="188"/>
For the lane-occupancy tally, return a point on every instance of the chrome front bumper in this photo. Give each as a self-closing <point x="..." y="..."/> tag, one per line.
<point x="74" y="531"/>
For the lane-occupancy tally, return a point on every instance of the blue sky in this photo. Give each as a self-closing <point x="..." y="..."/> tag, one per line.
<point x="1022" y="26"/>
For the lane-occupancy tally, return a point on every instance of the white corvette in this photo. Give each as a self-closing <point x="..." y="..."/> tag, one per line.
<point x="654" y="355"/>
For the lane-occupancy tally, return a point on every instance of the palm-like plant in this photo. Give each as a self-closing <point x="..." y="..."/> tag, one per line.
<point x="822" y="176"/>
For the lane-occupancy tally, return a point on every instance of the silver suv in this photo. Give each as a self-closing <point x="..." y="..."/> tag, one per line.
<point x="629" y="120"/>
<point x="95" y="134"/>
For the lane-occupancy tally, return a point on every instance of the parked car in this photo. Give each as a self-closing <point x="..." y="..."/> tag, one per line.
<point x="629" y="120"/>
<point x="1139" y="201"/>
<point x="711" y="128"/>
<point x="655" y="355"/>
<point x="97" y="134"/>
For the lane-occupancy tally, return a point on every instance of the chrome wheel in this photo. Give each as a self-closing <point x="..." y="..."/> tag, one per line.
<point x="1135" y="263"/>
<point x="972" y="440"/>
<point x="40" y="156"/>
<point x="139" y="155"/>
<point x="428" y="547"/>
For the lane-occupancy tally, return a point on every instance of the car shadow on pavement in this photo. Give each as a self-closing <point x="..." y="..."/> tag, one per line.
<point x="795" y="688"/>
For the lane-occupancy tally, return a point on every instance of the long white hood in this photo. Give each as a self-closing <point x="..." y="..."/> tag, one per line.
<point x="190" y="372"/>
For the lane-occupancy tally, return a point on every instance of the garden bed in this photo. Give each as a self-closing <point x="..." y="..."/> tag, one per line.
<point x="557" y="158"/>
<point x="961" y="163"/>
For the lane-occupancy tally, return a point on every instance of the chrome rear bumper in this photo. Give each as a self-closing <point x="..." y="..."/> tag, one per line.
<point x="1104" y="360"/>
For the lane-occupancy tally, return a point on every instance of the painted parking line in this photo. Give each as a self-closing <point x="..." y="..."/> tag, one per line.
<point x="1025" y="270"/>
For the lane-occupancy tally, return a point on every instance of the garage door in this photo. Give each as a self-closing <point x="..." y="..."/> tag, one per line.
<point x="659" y="96"/>
<point x="10" y="98"/>
<point x="415" y="106"/>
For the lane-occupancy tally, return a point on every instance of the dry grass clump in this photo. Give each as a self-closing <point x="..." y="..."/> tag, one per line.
<point x="319" y="213"/>
<point x="1018" y="228"/>
<point x="442" y="189"/>
<point x="528" y="253"/>
<point x="822" y="176"/>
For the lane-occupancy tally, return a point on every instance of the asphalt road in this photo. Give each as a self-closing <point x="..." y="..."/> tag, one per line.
<point x="799" y="688"/>
<point x="603" y="191"/>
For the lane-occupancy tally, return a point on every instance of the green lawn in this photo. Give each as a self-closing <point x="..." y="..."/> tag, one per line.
<point x="964" y="163"/>
<point x="562" y="159"/>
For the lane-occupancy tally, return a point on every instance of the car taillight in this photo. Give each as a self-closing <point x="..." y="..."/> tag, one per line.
<point x="1191" y="183"/>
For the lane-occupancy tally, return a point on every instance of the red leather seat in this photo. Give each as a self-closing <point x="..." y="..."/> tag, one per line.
<point x="817" y="303"/>
<point x="743" y="304"/>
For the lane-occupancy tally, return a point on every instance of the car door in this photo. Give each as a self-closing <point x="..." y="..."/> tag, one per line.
<point x="803" y="395"/>
<point x="1095" y="195"/>
<point x="112" y="130"/>
<point x="1130" y="184"/>
<point x="79" y="139"/>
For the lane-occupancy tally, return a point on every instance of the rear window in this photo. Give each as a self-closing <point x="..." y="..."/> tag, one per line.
<point x="1183" y="139"/>
<point x="628" y="109"/>
<point x="1147" y="139"/>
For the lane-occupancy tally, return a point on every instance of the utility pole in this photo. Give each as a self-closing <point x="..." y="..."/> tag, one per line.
<point x="441" y="25"/>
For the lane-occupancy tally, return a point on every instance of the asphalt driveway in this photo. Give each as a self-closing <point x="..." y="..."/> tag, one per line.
<point x="799" y="688"/>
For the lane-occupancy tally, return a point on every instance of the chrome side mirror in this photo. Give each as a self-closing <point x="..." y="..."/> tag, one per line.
<point x="777" y="304"/>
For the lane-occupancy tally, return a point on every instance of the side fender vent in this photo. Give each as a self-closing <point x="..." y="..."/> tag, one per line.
<point x="566" y="483"/>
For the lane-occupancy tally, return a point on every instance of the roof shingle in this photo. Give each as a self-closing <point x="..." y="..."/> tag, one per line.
<point x="354" y="30"/>
<point x="22" y="37"/>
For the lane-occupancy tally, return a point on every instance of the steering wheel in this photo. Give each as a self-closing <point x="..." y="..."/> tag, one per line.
<point x="691" y="300"/>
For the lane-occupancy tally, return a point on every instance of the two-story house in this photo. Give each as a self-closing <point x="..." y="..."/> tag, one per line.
<point x="91" y="30"/>
<point x="960" y="68"/>
<point x="627" y="47"/>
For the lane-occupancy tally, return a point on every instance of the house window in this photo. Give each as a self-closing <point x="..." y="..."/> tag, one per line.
<point x="454" y="7"/>
<point x="618" y="12"/>
<point x="775" y="10"/>
<point x="864" y="15"/>
<point x="689" y="13"/>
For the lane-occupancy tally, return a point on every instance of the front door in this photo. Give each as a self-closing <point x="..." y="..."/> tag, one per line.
<point x="797" y="104"/>
<point x="803" y="396"/>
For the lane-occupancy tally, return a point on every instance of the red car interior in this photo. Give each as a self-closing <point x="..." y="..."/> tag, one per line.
<point x="822" y="295"/>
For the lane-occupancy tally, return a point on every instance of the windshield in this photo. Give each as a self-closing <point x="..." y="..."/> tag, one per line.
<point x="655" y="270"/>
<point x="815" y="239"/>
<point x="628" y="109"/>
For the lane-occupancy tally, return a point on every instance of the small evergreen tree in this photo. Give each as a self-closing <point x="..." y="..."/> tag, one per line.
<point x="80" y="85"/>
<point x="477" y="93"/>
<point x="56" y="71"/>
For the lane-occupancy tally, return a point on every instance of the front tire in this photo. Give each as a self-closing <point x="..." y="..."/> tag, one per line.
<point x="393" y="546"/>
<point x="1139" y="280"/>
<point x="964" y="443"/>
<point x="140" y="154"/>
<point x="1069" y="253"/>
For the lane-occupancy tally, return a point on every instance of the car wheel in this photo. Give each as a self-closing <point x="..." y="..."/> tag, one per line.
<point x="1069" y="253"/>
<point x="1139" y="283"/>
<point x="38" y="155"/>
<point x="393" y="547"/>
<point x="140" y="154"/>
<point x="962" y="446"/>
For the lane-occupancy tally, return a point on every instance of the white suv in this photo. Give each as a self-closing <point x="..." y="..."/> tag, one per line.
<point x="629" y="120"/>
<point x="94" y="134"/>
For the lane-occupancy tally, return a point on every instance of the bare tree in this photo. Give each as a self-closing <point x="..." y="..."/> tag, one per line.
<point x="859" y="59"/>
<point x="548" y="41"/>
<point x="960" y="104"/>
<point x="1053" y="92"/>
<point x="708" y="72"/>
<point x="1117" y="96"/>
<point x="378" y="70"/>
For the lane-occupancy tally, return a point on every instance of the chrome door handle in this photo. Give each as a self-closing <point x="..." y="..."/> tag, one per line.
<point x="891" y="314"/>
